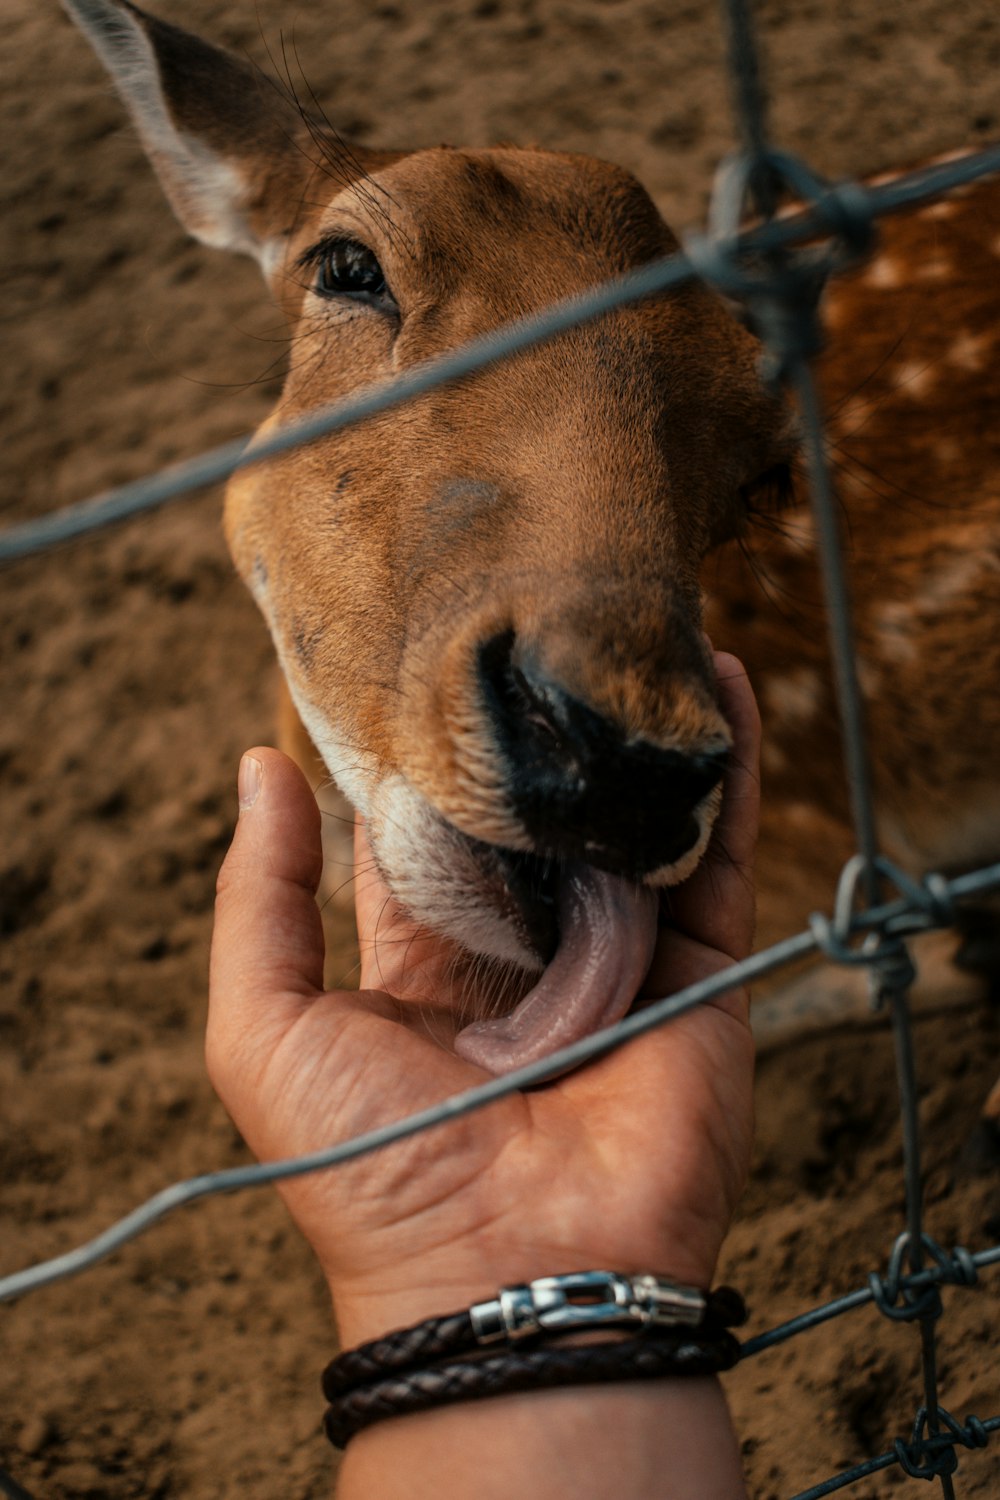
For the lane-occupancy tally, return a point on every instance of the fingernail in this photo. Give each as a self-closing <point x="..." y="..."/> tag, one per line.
<point x="248" y="782"/>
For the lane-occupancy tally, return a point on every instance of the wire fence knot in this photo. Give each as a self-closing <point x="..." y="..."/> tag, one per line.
<point x="780" y="290"/>
<point x="918" y="1288"/>
<point x="882" y="952"/>
<point x="854" y="938"/>
<point x="892" y="969"/>
<point x="929" y="1455"/>
<point x="916" y="1304"/>
<point x="930" y="898"/>
<point x="933" y="897"/>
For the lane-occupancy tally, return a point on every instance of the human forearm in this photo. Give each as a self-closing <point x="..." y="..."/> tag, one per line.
<point x="667" y="1438"/>
<point x="633" y="1163"/>
<point x="656" y="1440"/>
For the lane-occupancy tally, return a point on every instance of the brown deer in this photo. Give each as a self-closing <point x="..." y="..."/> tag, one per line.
<point x="489" y="606"/>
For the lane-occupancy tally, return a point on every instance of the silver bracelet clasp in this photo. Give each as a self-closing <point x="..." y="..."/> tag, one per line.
<point x="585" y="1299"/>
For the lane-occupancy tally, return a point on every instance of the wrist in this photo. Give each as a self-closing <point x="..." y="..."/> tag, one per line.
<point x="662" y="1440"/>
<point x="371" y="1307"/>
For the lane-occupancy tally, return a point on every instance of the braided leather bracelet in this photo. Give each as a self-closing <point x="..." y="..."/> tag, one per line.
<point x="683" y="1331"/>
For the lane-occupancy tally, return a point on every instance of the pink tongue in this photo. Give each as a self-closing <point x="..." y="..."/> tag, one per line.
<point x="607" y="931"/>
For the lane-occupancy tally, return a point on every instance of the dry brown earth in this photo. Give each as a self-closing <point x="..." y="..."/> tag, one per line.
<point x="135" y="671"/>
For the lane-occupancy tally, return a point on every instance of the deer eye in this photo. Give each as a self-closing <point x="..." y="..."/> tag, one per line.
<point x="772" y="491"/>
<point x="345" y="268"/>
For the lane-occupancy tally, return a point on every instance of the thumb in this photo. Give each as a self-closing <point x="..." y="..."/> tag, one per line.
<point x="267" y="946"/>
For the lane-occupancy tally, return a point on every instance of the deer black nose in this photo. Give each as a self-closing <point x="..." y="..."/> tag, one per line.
<point x="578" y="785"/>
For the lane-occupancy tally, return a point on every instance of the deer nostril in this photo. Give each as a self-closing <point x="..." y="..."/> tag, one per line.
<point x="579" y="787"/>
<point x="531" y="716"/>
<point x="541" y="710"/>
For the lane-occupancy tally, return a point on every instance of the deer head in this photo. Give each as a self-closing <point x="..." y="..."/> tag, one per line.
<point x="486" y="604"/>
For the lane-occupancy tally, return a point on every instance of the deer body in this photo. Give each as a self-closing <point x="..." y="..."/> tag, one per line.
<point x="912" y="386"/>
<point x="488" y="605"/>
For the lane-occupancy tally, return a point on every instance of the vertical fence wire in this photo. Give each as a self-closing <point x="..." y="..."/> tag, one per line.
<point x="871" y="934"/>
<point x="891" y="973"/>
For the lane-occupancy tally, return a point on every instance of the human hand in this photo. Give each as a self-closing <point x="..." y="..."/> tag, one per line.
<point x="634" y="1162"/>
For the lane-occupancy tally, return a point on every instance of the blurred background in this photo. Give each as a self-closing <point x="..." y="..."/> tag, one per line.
<point x="135" y="671"/>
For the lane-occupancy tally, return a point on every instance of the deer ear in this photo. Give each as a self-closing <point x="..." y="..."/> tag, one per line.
<point x="231" y="151"/>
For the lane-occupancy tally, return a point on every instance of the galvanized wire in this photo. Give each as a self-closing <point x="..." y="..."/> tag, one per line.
<point x="780" y="290"/>
<point x="876" y="1291"/>
<point x="750" y="103"/>
<point x="94" y="514"/>
<point x="900" y="916"/>
<point x="973" y="1434"/>
<point x="11" y="1489"/>
<point x="791" y="330"/>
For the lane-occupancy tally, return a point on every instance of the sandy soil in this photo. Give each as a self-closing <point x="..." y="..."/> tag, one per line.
<point x="135" y="671"/>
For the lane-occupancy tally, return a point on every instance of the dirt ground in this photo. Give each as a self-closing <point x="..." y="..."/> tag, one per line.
<point x="135" y="670"/>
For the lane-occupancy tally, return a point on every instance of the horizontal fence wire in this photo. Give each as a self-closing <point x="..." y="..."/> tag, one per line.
<point x="930" y="1276"/>
<point x="942" y="1445"/>
<point x="901" y="917"/>
<point x="910" y="189"/>
<point x="841" y="216"/>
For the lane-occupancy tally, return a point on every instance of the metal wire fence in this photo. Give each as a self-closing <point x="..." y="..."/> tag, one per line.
<point x="876" y="908"/>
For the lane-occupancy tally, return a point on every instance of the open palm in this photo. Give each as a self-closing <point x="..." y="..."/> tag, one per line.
<point x="633" y="1163"/>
